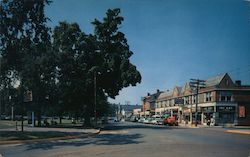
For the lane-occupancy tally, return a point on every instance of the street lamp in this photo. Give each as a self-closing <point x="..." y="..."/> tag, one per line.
<point x="12" y="108"/>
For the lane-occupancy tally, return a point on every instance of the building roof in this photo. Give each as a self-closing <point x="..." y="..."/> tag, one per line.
<point x="166" y="94"/>
<point x="151" y="97"/>
<point x="178" y="89"/>
<point x="214" y="81"/>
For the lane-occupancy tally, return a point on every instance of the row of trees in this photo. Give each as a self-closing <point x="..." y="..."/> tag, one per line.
<point x="59" y="66"/>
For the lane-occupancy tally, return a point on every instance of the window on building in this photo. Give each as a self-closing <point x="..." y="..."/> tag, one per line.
<point x="186" y="100"/>
<point x="222" y="98"/>
<point x="167" y="102"/>
<point x="194" y="99"/>
<point x="229" y="98"/>
<point x="208" y="96"/>
<point x="225" y="96"/>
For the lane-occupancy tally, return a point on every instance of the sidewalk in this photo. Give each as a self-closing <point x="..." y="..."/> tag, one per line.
<point x="230" y="129"/>
<point x="72" y="133"/>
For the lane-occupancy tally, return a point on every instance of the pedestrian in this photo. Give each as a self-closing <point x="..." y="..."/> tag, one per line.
<point x="208" y="122"/>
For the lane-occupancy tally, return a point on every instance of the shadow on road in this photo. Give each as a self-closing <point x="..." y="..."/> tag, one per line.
<point x="102" y="139"/>
<point x="130" y="125"/>
<point x="105" y="138"/>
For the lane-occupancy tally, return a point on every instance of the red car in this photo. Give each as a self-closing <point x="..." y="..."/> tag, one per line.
<point x="171" y="120"/>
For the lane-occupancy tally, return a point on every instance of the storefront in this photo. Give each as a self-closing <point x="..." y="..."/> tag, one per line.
<point x="207" y="114"/>
<point x="225" y="114"/>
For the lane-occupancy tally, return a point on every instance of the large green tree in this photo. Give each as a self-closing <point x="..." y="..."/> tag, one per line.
<point x="114" y="53"/>
<point x="101" y="58"/>
<point x="26" y="48"/>
<point x="67" y="69"/>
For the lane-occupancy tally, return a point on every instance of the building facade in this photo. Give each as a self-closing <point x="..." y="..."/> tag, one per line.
<point x="149" y="104"/>
<point x="221" y="101"/>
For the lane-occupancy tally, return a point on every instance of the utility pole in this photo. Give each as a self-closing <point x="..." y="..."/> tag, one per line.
<point x="196" y="84"/>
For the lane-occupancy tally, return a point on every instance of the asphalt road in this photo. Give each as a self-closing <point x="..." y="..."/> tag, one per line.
<point x="140" y="140"/>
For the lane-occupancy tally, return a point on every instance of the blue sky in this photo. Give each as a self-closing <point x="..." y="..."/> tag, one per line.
<point x="172" y="40"/>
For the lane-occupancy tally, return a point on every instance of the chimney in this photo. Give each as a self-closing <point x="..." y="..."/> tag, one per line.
<point x="238" y="82"/>
<point x="148" y="94"/>
<point x="158" y="91"/>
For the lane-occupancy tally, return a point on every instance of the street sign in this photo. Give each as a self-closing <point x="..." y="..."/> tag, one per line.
<point x="28" y="96"/>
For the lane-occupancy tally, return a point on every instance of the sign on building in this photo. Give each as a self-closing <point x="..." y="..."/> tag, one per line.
<point x="225" y="108"/>
<point x="242" y="111"/>
<point x="179" y="101"/>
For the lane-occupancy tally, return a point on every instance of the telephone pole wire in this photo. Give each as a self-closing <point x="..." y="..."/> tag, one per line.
<point x="196" y="84"/>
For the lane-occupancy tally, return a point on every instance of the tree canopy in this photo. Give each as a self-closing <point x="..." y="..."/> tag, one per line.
<point x="60" y="66"/>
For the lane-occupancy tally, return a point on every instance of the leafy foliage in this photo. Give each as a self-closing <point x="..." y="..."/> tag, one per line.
<point x="115" y="53"/>
<point x="26" y="47"/>
<point x="62" y="68"/>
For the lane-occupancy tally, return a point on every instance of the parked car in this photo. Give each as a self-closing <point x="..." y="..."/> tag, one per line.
<point x="147" y="120"/>
<point x="155" y="119"/>
<point x="141" y="120"/>
<point x="171" y="120"/>
<point x="162" y="118"/>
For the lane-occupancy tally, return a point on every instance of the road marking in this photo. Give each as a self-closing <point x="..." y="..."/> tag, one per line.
<point x="239" y="132"/>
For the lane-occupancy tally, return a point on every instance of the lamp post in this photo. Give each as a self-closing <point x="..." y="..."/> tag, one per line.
<point x="12" y="108"/>
<point x="95" y="99"/>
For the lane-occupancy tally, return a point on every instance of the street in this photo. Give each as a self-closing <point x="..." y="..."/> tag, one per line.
<point x="135" y="139"/>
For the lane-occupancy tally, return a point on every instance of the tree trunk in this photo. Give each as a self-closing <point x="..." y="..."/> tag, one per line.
<point x="39" y="117"/>
<point x="87" y="117"/>
<point x="60" y="118"/>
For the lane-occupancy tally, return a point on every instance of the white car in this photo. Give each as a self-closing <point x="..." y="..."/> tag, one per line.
<point x="141" y="120"/>
<point x="147" y="120"/>
<point x="155" y="120"/>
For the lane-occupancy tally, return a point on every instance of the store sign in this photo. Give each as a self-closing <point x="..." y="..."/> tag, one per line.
<point x="242" y="111"/>
<point x="208" y="109"/>
<point x="226" y="108"/>
<point x="179" y="101"/>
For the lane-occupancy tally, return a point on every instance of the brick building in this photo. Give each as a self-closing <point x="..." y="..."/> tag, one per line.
<point x="149" y="104"/>
<point x="221" y="101"/>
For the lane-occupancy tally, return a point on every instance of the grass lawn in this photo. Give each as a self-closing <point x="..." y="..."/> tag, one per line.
<point x="17" y="135"/>
<point x="27" y="135"/>
<point x="7" y="124"/>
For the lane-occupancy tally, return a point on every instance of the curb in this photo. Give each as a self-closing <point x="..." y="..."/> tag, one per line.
<point x="238" y="132"/>
<point x="48" y="139"/>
